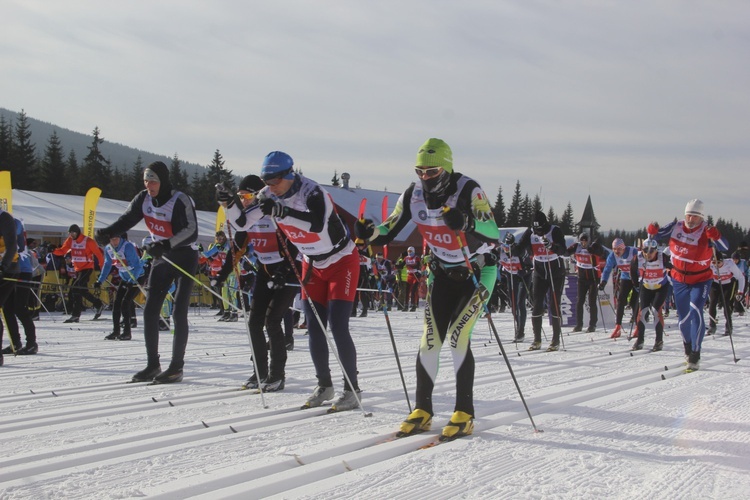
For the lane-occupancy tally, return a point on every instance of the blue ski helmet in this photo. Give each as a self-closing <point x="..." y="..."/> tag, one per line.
<point x="277" y="165"/>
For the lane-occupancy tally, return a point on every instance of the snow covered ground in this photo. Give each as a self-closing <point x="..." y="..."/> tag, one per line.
<point x="614" y="425"/>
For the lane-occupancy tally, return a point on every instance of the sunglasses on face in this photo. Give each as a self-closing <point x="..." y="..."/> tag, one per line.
<point x="428" y="173"/>
<point x="247" y="196"/>
<point x="273" y="181"/>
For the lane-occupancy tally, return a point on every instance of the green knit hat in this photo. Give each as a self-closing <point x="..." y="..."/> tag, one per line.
<point x="435" y="153"/>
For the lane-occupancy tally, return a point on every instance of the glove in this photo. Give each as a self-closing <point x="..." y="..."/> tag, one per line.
<point x="712" y="233"/>
<point x="602" y="285"/>
<point x="215" y="282"/>
<point x="418" y="275"/>
<point x="457" y="220"/>
<point x="739" y="297"/>
<point x="278" y="281"/>
<point x="97" y="285"/>
<point x="200" y="248"/>
<point x="102" y="237"/>
<point x="652" y="229"/>
<point x="510" y="239"/>
<point x="223" y="196"/>
<point x="273" y="208"/>
<point x="547" y="243"/>
<point x="364" y="229"/>
<point x="157" y="248"/>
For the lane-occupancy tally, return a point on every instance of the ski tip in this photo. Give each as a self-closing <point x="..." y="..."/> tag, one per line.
<point x="631" y="354"/>
<point x="32" y="392"/>
<point x="538" y="431"/>
<point x="170" y="403"/>
<point x="233" y="429"/>
<point x="666" y="368"/>
<point x="610" y="353"/>
<point x="53" y="393"/>
<point x="663" y="377"/>
<point x="154" y="399"/>
<point x="368" y="414"/>
<point x="204" y="424"/>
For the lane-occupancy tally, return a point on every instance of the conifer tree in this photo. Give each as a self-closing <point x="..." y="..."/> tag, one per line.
<point x="177" y="175"/>
<point x="52" y="167"/>
<point x="567" y="223"/>
<point x="70" y="181"/>
<point x="514" y="212"/>
<point x="335" y="179"/>
<point x="6" y="142"/>
<point x="527" y="216"/>
<point x="552" y="217"/>
<point x="499" y="209"/>
<point x="134" y="181"/>
<point x="22" y="163"/>
<point x="96" y="171"/>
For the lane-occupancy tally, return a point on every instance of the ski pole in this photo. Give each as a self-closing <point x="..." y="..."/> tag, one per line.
<point x="329" y="340"/>
<point x="124" y="265"/>
<point x="724" y="299"/>
<point x="557" y="305"/>
<point x="57" y="277"/>
<point x="390" y="329"/>
<point x="10" y="339"/>
<point x="246" y="318"/>
<point x="513" y="292"/>
<point x="465" y="252"/>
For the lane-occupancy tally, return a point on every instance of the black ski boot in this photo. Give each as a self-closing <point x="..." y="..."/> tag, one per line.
<point x="169" y="376"/>
<point x="147" y="374"/>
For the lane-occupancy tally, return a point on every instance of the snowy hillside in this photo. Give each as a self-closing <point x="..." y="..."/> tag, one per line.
<point x="614" y="425"/>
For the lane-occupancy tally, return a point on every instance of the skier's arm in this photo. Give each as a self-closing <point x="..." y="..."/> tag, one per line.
<point x="132" y="216"/>
<point x="485" y="228"/>
<point x="390" y="227"/>
<point x="611" y="261"/>
<point x="8" y="233"/>
<point x="106" y="268"/>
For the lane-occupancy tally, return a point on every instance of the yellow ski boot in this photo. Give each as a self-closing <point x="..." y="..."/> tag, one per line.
<point x="417" y="422"/>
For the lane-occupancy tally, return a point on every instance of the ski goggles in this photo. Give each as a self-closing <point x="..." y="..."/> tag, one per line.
<point x="248" y="195"/>
<point x="649" y="246"/>
<point x="274" y="179"/>
<point x="428" y="173"/>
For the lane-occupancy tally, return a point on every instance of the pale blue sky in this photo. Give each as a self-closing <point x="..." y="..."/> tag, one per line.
<point x="641" y="104"/>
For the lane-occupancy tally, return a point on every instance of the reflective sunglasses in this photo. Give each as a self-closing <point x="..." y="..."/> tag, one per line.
<point x="247" y="196"/>
<point x="428" y="173"/>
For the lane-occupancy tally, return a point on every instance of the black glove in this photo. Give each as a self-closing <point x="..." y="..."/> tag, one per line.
<point x="602" y="285"/>
<point x="97" y="285"/>
<point x="102" y="237"/>
<point x="278" y="281"/>
<point x="2" y="272"/>
<point x="223" y="196"/>
<point x="547" y="243"/>
<point x="157" y="248"/>
<point x="273" y="208"/>
<point x="510" y="240"/>
<point x="457" y="220"/>
<point x="364" y="229"/>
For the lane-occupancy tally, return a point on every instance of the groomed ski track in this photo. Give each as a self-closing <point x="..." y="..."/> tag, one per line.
<point x="613" y="421"/>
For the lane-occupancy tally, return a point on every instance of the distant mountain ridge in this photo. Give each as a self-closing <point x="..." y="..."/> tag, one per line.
<point x="122" y="157"/>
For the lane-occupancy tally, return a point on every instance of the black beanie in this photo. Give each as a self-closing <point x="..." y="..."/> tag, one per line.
<point x="251" y="183"/>
<point x="74" y="229"/>
<point x="540" y="225"/>
<point x="160" y="170"/>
